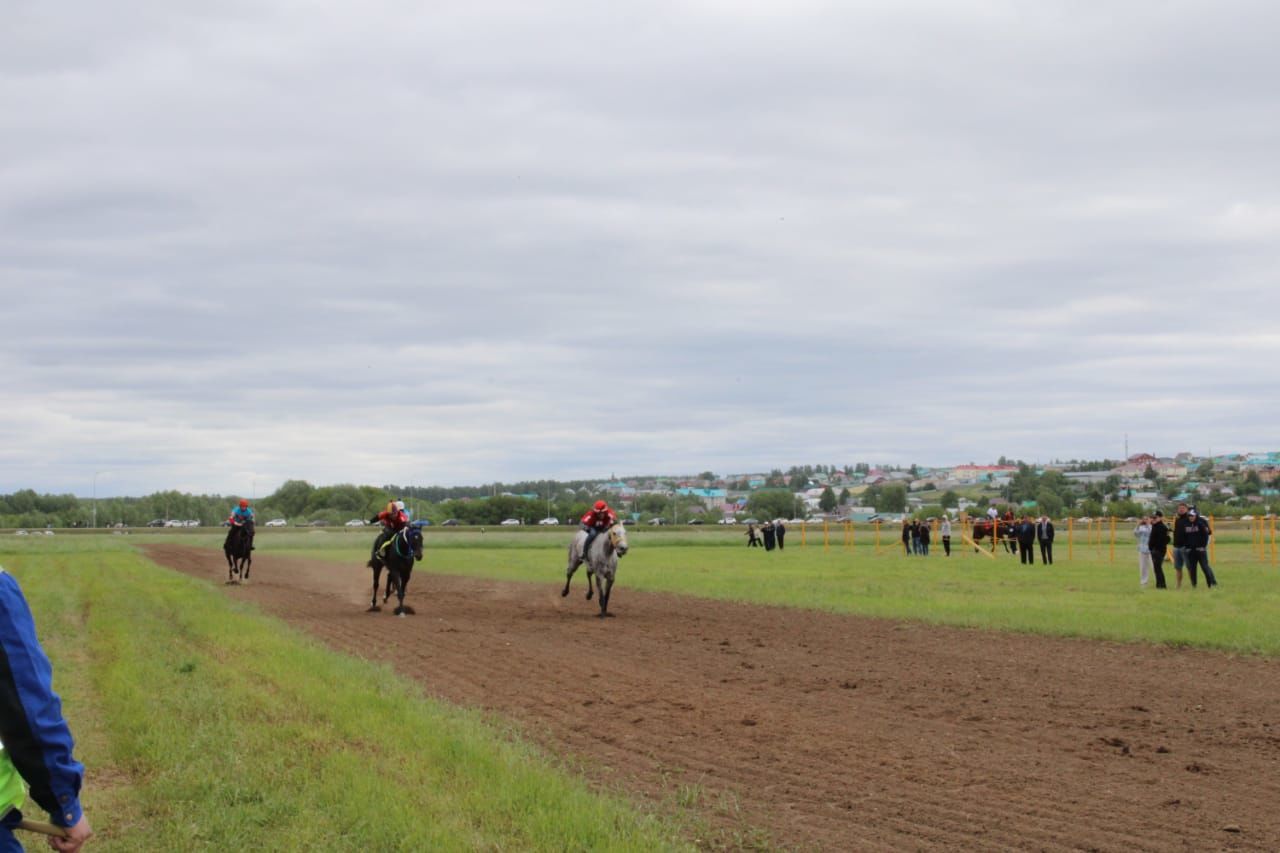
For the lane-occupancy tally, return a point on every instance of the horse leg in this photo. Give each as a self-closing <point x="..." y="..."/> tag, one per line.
<point x="590" y="575"/>
<point x="377" y="575"/>
<point x="386" y="593"/>
<point x="606" y="587"/>
<point x="404" y="589"/>
<point x="574" y="562"/>
<point x="248" y="561"/>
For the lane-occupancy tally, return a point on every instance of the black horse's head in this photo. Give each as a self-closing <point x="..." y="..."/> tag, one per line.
<point x="414" y="535"/>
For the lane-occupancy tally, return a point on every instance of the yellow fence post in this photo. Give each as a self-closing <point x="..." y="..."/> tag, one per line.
<point x="1213" y="541"/>
<point x="1113" y="538"/>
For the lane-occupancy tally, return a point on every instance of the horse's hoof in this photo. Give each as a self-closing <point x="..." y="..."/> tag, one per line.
<point x="409" y="610"/>
<point x="399" y="612"/>
<point x="564" y="592"/>
<point x="589" y="594"/>
<point x="373" y="608"/>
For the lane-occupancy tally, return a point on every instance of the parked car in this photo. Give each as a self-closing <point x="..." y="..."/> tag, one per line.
<point x="694" y="521"/>
<point x="21" y="533"/>
<point x="449" y="522"/>
<point x="276" y="522"/>
<point x="656" y="521"/>
<point x="319" y="522"/>
<point x="156" y="522"/>
<point x="356" y="522"/>
<point x="727" y="521"/>
<point x="191" y="522"/>
<point x="510" y="522"/>
<point x="549" y="521"/>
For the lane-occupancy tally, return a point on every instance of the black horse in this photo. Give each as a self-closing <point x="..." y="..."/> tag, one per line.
<point x="239" y="552"/>
<point x="1003" y="533"/>
<point x="398" y="557"/>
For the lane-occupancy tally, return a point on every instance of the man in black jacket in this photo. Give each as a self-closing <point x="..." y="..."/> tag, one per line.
<point x="1026" y="533"/>
<point x="1196" y="541"/>
<point x="1179" y="542"/>
<point x="1044" y="533"/>
<point x="1159" y="545"/>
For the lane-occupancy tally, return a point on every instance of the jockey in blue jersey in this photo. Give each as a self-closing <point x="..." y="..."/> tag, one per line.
<point x="242" y="516"/>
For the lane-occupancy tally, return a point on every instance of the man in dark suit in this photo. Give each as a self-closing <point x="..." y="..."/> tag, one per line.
<point x="1044" y="533"/>
<point x="1025" y="531"/>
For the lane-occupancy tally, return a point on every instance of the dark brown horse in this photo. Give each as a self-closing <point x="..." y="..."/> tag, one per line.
<point x="1003" y="533"/>
<point x="238" y="549"/>
<point x="397" y="556"/>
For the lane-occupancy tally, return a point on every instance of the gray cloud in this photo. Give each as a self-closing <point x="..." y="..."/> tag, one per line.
<point x="495" y="240"/>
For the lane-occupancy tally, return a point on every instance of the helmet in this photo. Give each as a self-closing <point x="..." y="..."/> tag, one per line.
<point x="399" y="504"/>
<point x="601" y="505"/>
<point x="244" y="504"/>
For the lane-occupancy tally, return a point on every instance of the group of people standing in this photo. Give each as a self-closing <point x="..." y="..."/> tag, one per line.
<point x="770" y="534"/>
<point x="1028" y="532"/>
<point x="1190" y="539"/>
<point x="917" y="535"/>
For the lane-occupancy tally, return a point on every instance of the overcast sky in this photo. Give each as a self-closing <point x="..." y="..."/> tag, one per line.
<point x="453" y="243"/>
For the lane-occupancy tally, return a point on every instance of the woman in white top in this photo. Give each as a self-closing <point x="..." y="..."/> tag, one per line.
<point x="944" y="530"/>
<point x="1143" y="534"/>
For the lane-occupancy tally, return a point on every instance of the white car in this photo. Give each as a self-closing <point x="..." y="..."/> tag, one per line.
<point x="727" y="521"/>
<point x="510" y="522"/>
<point x="276" y="522"/>
<point x="549" y="521"/>
<point x="355" y="522"/>
<point x="21" y="533"/>
<point x="1246" y="518"/>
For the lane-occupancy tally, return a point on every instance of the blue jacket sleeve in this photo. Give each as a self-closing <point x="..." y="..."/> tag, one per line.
<point x="32" y="727"/>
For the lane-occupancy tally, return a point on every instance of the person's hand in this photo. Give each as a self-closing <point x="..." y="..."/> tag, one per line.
<point x="75" y="838"/>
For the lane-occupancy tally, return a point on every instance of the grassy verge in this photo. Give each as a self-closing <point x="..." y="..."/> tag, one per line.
<point x="207" y="726"/>
<point x="1088" y="595"/>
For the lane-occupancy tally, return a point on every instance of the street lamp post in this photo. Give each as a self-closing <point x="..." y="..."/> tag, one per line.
<point x="94" y="523"/>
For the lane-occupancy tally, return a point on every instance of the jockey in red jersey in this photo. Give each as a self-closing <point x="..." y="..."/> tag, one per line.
<point x="393" y="519"/>
<point x="596" y="519"/>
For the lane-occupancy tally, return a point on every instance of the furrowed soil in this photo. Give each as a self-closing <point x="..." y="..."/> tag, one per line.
<point x="808" y="730"/>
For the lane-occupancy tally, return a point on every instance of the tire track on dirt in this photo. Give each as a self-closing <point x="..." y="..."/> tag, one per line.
<point x="826" y="731"/>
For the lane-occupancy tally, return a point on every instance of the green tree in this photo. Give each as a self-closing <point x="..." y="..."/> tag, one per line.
<point x="845" y="497"/>
<point x="827" y="501"/>
<point x="949" y="500"/>
<point x="771" y="503"/>
<point x="890" y="497"/>
<point x="1204" y="470"/>
<point x="798" y="483"/>
<point x="1150" y="474"/>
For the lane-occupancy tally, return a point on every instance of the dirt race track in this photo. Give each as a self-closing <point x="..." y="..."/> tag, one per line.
<point x="830" y="732"/>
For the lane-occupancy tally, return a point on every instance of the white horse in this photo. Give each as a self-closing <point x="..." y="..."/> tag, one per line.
<point x="602" y="562"/>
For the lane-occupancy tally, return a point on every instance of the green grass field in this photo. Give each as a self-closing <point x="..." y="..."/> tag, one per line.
<point x="1086" y="595"/>
<point x="206" y="725"/>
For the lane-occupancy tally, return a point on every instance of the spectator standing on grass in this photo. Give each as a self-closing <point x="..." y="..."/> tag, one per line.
<point x="944" y="530"/>
<point x="1180" y="541"/>
<point x="915" y="537"/>
<point x="1025" y="531"/>
<point x="753" y="541"/>
<point x="37" y="742"/>
<point x="1157" y="544"/>
<point x="906" y="536"/>
<point x="1044" y="534"/>
<point x="1143" y="534"/>
<point x="779" y="532"/>
<point x="1196" y="542"/>
<point x="767" y="530"/>
<point x="925" y="536"/>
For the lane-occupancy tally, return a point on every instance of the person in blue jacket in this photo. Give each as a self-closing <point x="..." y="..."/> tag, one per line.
<point x="36" y="740"/>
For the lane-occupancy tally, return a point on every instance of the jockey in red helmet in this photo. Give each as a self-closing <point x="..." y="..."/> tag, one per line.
<point x="596" y="519"/>
<point x="241" y="516"/>
<point x="393" y="519"/>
